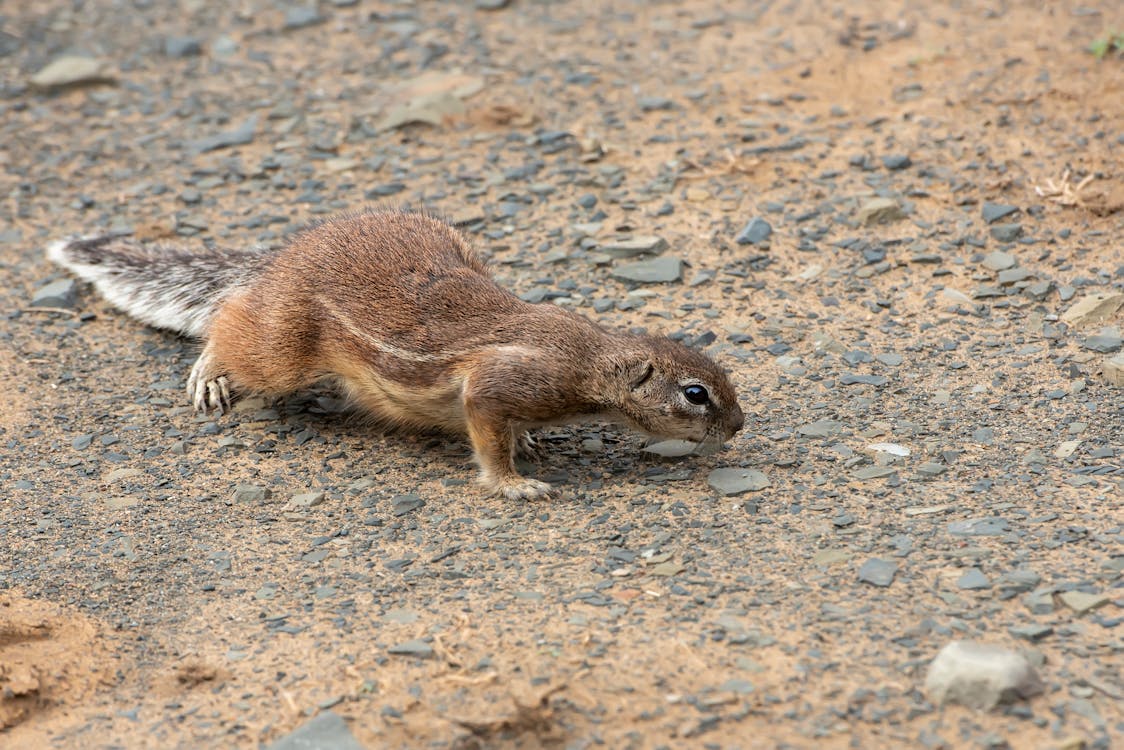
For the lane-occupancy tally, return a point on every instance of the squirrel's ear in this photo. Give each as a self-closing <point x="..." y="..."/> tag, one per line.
<point x="638" y="373"/>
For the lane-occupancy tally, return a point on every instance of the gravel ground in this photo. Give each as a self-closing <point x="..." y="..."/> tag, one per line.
<point x="898" y="227"/>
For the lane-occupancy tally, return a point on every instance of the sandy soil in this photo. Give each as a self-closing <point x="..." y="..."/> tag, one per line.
<point x="147" y="603"/>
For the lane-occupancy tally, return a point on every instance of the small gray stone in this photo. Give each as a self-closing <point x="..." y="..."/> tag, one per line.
<point x="1031" y="632"/>
<point x="415" y="647"/>
<point x="875" y="472"/>
<point x="820" y="428"/>
<point x="973" y="579"/>
<point x="852" y="379"/>
<point x="327" y="731"/>
<point x="1113" y="370"/>
<point x="250" y="493"/>
<point x="896" y="161"/>
<point x="654" y="271"/>
<point x="302" y="16"/>
<point x="1007" y="232"/>
<point x="979" y="527"/>
<point x="880" y="211"/>
<point x="59" y="293"/>
<point x="878" y="572"/>
<point x="239" y="136"/>
<point x="1106" y="341"/>
<point x="1081" y="602"/>
<point x="491" y="4"/>
<point x="182" y="46"/>
<point x="755" y="232"/>
<point x="741" y="687"/>
<point x="890" y="359"/>
<point x="1013" y="276"/>
<point x="403" y="504"/>
<point x="980" y="676"/>
<point x="993" y="212"/>
<point x="307" y="499"/>
<point x="633" y="246"/>
<point x="735" y="481"/>
<point x="72" y="71"/>
<point x="653" y="103"/>
<point x="999" y="261"/>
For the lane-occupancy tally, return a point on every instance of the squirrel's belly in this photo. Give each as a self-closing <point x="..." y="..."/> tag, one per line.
<point x="438" y="406"/>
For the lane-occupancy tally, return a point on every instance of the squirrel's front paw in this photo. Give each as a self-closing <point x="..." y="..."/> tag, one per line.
<point x="207" y="391"/>
<point x="519" y="488"/>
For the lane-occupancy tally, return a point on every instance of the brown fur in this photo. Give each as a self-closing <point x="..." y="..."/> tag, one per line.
<point x="399" y="309"/>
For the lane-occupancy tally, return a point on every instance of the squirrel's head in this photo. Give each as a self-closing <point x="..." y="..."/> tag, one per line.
<point x="669" y="391"/>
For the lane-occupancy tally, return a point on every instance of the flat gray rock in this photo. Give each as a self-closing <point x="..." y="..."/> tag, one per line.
<point x="755" y="232"/>
<point x="980" y="676"/>
<point x="736" y="481"/>
<point x="326" y="731"/>
<point x="413" y="647"/>
<point x="878" y="572"/>
<point x="633" y="246"/>
<point x="999" y="261"/>
<point x="973" y="579"/>
<point x="59" y="293"/>
<point x="979" y="527"/>
<point x="655" y="271"/>
<point x="239" y="136"/>
<point x="993" y="212"/>
<point x="72" y="70"/>
<point x="1106" y="342"/>
<point x="880" y="211"/>
<point x="820" y="428"/>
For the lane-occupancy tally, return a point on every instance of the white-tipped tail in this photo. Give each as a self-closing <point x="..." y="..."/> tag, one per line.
<point x="159" y="284"/>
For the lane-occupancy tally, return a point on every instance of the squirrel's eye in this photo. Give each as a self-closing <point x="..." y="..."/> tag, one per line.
<point x="696" y="394"/>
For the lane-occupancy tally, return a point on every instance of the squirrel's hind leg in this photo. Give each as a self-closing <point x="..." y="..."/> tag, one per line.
<point x="208" y="389"/>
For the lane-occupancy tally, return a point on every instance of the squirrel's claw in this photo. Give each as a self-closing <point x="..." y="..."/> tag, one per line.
<point x="208" y="393"/>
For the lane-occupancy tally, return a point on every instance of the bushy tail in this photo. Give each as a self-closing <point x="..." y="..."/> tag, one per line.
<point x="160" y="284"/>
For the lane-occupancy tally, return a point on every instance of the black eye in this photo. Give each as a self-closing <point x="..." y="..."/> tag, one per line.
<point x="696" y="394"/>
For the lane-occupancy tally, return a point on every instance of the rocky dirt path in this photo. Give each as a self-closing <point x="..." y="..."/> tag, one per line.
<point x="898" y="227"/>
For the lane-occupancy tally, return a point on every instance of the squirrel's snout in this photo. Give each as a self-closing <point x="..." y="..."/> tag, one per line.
<point x="735" y="421"/>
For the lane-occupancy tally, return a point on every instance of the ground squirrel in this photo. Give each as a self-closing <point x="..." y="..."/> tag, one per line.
<point x="405" y="316"/>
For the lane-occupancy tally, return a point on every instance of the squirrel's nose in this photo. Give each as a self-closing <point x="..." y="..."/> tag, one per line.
<point x="735" y="421"/>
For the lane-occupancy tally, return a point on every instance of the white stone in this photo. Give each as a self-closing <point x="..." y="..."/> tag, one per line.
<point x="980" y="676"/>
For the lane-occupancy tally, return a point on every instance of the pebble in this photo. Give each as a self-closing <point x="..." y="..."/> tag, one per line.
<point x="414" y="647"/>
<point x="250" y="494"/>
<point x="491" y="4"/>
<point x="59" y="293"/>
<point x="851" y="379"/>
<point x="878" y="572"/>
<point x="1006" y="232"/>
<point x="993" y="212"/>
<point x="656" y="271"/>
<point x="1081" y="602"/>
<point x="629" y="248"/>
<point x="973" y="579"/>
<point x="326" y="731"/>
<point x="72" y="70"/>
<point x="734" y="481"/>
<point x="239" y="136"/>
<point x="896" y="161"/>
<point x="182" y="46"/>
<point x="1093" y="308"/>
<point x="671" y="448"/>
<point x="306" y="500"/>
<point x="302" y="16"/>
<point x="1114" y="370"/>
<point x="1107" y="342"/>
<point x="403" y="504"/>
<point x="755" y="232"/>
<point x="1031" y="632"/>
<point x="979" y="527"/>
<point x="653" y="103"/>
<point x="880" y="211"/>
<point x="980" y="676"/>
<point x="820" y="428"/>
<point x="999" y="261"/>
